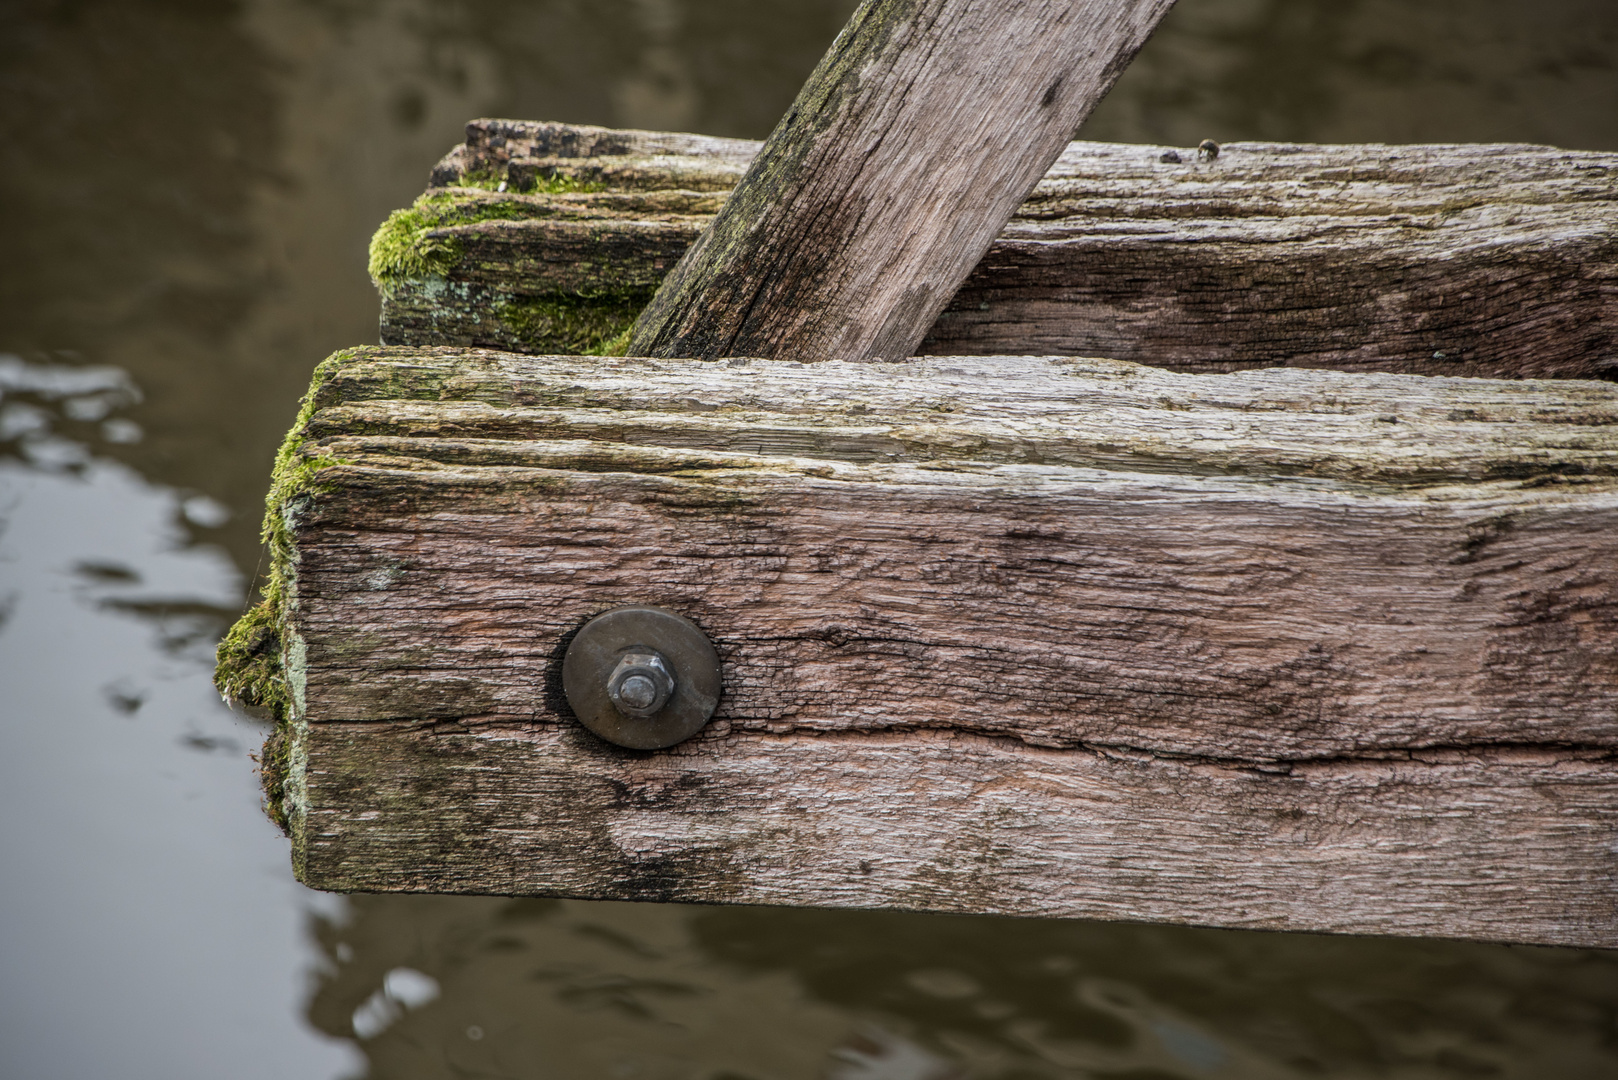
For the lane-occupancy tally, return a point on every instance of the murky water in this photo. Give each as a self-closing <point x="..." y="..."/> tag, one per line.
<point x="186" y="193"/>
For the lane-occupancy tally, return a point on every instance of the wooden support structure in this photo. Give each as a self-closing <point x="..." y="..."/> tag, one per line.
<point x="1498" y="261"/>
<point x="1284" y="649"/>
<point x="1022" y="634"/>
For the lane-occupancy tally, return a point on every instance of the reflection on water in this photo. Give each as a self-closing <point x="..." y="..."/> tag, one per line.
<point x="1374" y="71"/>
<point x="186" y="192"/>
<point x="151" y="923"/>
<point x="535" y="988"/>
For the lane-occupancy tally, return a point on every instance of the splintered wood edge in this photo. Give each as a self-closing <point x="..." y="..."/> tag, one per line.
<point x="1362" y="165"/>
<point x="1113" y="190"/>
<point x="1058" y="411"/>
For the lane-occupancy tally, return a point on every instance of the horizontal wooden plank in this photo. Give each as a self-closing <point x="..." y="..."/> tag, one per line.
<point x="1467" y="260"/>
<point x="1282" y="648"/>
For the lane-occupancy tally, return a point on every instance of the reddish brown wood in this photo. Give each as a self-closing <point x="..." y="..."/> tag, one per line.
<point x="1288" y="649"/>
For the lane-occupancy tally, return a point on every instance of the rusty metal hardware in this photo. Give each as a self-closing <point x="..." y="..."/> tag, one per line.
<point x="641" y="677"/>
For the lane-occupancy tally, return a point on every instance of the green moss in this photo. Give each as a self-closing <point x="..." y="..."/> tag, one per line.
<point x="527" y="182"/>
<point x="274" y="763"/>
<point x="249" y="664"/>
<point x="564" y="324"/>
<point x="408" y="245"/>
<point x="249" y="671"/>
<point x="404" y="247"/>
<point x="615" y="346"/>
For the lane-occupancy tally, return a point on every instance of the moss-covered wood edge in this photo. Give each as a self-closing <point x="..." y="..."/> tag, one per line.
<point x="258" y="663"/>
<point x="714" y="425"/>
<point x="415" y="253"/>
<point x="252" y="667"/>
<point x="1495" y="255"/>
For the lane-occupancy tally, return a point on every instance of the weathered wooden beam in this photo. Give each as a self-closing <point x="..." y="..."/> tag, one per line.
<point x="1449" y="260"/>
<point x="1284" y="649"/>
<point x="912" y="143"/>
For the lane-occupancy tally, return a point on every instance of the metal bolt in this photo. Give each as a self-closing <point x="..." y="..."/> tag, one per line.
<point x="641" y="684"/>
<point x="643" y="678"/>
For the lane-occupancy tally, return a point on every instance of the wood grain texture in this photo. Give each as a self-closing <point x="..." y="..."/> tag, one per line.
<point x="1286" y="648"/>
<point x="908" y="149"/>
<point x="1450" y="260"/>
<point x="1442" y="260"/>
<point x="1504" y="847"/>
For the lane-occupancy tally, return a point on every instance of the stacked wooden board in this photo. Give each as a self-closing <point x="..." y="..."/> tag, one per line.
<point x="1497" y="261"/>
<point x="1029" y="634"/>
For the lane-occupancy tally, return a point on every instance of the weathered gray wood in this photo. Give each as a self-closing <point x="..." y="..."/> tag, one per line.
<point x="1508" y="846"/>
<point x="1289" y="649"/>
<point x="1468" y="260"/>
<point x="908" y="149"/>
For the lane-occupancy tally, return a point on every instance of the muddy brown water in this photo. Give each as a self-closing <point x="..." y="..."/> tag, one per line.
<point x="186" y="194"/>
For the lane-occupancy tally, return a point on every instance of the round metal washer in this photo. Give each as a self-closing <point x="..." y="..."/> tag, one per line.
<point x="685" y="649"/>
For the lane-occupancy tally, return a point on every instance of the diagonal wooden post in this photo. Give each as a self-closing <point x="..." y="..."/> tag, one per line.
<point x="924" y="127"/>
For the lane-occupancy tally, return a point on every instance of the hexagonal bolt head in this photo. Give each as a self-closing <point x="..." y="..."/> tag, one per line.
<point x="641" y="683"/>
